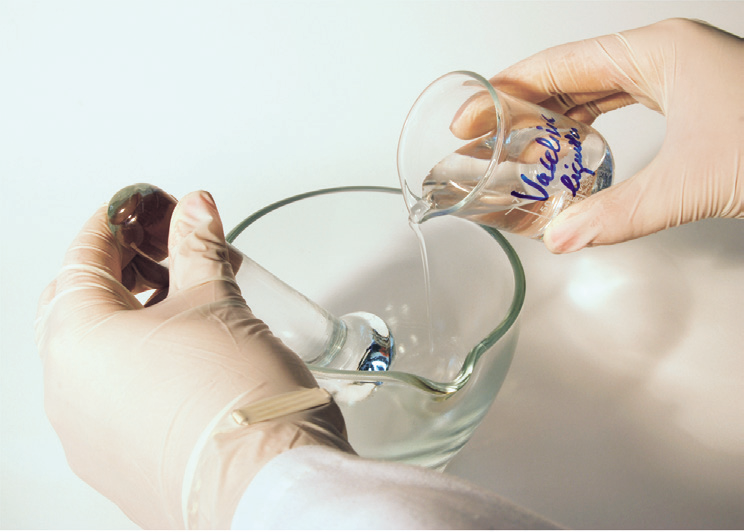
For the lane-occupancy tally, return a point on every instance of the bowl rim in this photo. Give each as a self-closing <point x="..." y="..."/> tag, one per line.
<point x="471" y="359"/>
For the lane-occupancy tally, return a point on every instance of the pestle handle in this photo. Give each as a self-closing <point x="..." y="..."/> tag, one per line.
<point x="139" y="218"/>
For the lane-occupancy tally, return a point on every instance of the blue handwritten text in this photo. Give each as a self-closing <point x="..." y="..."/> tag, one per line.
<point x="549" y="162"/>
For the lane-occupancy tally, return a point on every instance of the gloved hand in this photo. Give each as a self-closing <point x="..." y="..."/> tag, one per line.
<point x="690" y="72"/>
<point x="142" y="398"/>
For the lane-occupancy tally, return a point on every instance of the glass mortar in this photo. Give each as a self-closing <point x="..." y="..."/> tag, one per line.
<point x="358" y="253"/>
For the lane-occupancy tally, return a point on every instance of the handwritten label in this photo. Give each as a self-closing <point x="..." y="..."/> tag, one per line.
<point x="549" y="161"/>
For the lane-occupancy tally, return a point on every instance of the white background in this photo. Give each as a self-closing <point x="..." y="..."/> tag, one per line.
<point x="623" y="407"/>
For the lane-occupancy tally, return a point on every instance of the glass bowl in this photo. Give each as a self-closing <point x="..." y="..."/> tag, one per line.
<point x="351" y="249"/>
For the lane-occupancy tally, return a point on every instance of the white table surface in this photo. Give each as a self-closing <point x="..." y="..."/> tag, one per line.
<point x="623" y="407"/>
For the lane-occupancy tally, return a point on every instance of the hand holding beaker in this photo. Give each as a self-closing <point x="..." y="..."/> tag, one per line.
<point x="470" y="150"/>
<point x="688" y="71"/>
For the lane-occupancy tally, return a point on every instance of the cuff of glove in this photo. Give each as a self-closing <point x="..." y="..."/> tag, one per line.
<point x="243" y="439"/>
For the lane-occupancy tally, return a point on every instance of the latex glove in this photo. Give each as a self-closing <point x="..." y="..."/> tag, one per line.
<point x="688" y="71"/>
<point x="141" y="398"/>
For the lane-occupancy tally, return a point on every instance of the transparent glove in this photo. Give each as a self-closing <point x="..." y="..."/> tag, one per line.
<point x="690" y="72"/>
<point x="143" y="398"/>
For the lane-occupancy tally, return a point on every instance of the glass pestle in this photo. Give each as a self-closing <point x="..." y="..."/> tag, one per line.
<point x="139" y="218"/>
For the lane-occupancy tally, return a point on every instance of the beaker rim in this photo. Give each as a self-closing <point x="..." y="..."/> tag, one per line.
<point x="412" y="198"/>
<point x="475" y="353"/>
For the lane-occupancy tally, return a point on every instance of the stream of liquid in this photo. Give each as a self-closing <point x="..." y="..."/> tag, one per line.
<point x="416" y="227"/>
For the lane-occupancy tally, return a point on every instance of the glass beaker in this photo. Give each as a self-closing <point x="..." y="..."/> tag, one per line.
<point x="453" y="346"/>
<point x="470" y="150"/>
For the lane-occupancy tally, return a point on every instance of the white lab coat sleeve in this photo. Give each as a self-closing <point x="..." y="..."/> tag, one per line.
<point x="314" y="487"/>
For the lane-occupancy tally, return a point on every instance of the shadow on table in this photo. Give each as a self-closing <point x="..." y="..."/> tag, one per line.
<point x="592" y="427"/>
